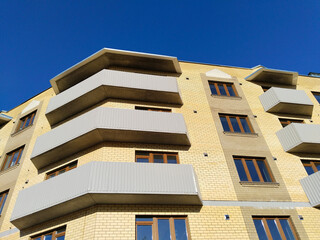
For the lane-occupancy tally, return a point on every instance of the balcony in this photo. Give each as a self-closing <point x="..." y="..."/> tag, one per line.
<point x="282" y="100"/>
<point x="268" y="75"/>
<point x="106" y="183"/>
<point x="311" y="186"/>
<point x="300" y="138"/>
<point x="112" y="84"/>
<point x="109" y="125"/>
<point x="111" y="58"/>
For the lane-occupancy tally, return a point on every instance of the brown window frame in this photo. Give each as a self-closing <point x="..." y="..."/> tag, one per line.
<point x="225" y="84"/>
<point x="12" y="153"/>
<point x="4" y="196"/>
<point x="150" y="157"/>
<point x="254" y="160"/>
<point x="67" y="168"/>
<point x="53" y="233"/>
<point x="23" y="121"/>
<point x="311" y="163"/>
<point x="154" y="224"/>
<point x="287" y="121"/>
<point x="266" y="227"/>
<point x="153" y="109"/>
<point x="227" y="116"/>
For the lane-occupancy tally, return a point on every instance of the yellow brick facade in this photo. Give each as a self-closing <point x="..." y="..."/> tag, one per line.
<point x="217" y="178"/>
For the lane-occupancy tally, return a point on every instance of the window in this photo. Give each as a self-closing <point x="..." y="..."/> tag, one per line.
<point x="157" y="157"/>
<point x="26" y="121"/>
<point x="233" y="123"/>
<point x="153" y="109"/>
<point x="223" y="89"/>
<point x="61" y="170"/>
<point x="285" y="122"/>
<point x="12" y="158"/>
<point x="265" y="88"/>
<point x="317" y="96"/>
<point x="253" y="169"/>
<point x="271" y="228"/>
<point x="3" y="197"/>
<point x="311" y="166"/>
<point x="57" y="234"/>
<point x="174" y="228"/>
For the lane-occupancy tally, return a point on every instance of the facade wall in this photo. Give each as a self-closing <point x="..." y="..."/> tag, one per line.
<point x="210" y="154"/>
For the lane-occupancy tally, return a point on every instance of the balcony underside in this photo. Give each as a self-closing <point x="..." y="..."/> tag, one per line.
<point x="289" y="101"/>
<point x="300" y="138"/>
<point x="108" y="84"/>
<point x="311" y="186"/>
<point x="273" y="76"/>
<point x="109" y="125"/>
<point x="106" y="183"/>
<point x="111" y="58"/>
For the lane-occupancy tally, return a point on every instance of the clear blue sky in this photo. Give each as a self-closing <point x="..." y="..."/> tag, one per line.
<point x="40" y="39"/>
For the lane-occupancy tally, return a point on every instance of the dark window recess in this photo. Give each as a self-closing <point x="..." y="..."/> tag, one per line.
<point x="26" y="121"/>
<point x="57" y="234"/>
<point x="285" y="122"/>
<point x="62" y="170"/>
<point x="317" y="96"/>
<point x="157" y="157"/>
<point x="253" y="169"/>
<point x="3" y="198"/>
<point x="153" y="109"/>
<point x="223" y="89"/>
<point x="234" y="123"/>
<point x="311" y="166"/>
<point x="265" y="88"/>
<point x="12" y="158"/>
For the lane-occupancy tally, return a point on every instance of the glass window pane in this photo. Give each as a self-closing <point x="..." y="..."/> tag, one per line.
<point x="260" y="229"/>
<point x="21" y="124"/>
<point x="273" y="229"/>
<point x="18" y="160"/>
<point x="61" y="171"/>
<point x="180" y="229"/>
<point x="60" y="238"/>
<point x="286" y="229"/>
<point x="241" y="171"/>
<point x="318" y="166"/>
<point x="252" y="171"/>
<point x="309" y="170"/>
<point x="158" y="159"/>
<point x="4" y="201"/>
<point x="245" y="125"/>
<point x="222" y="90"/>
<point x="164" y="229"/>
<point x="28" y="122"/>
<point x="213" y="89"/>
<point x="144" y="219"/>
<point x="172" y="159"/>
<point x="230" y="89"/>
<point x="143" y="160"/>
<point x="48" y="237"/>
<point x="224" y="123"/>
<point x="317" y="96"/>
<point x="144" y="232"/>
<point x="263" y="170"/>
<point x="235" y="124"/>
<point x="8" y="161"/>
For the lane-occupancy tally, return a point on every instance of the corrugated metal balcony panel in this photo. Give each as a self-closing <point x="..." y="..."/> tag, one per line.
<point x="112" y="84"/>
<point x="311" y="186"/>
<point x="109" y="124"/>
<point x="106" y="183"/>
<point x="298" y="137"/>
<point x="282" y="100"/>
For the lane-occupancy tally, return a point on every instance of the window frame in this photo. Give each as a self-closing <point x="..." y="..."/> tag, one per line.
<point x="256" y="166"/>
<point x="154" y="224"/>
<point x="152" y="109"/>
<point x="9" y="154"/>
<point x="277" y="219"/>
<point x="66" y="167"/>
<point x="227" y="116"/>
<point x="288" y="121"/>
<point x="150" y="157"/>
<point x="23" y="121"/>
<point x="4" y="196"/>
<point x="53" y="233"/>
<point x="316" y="94"/>
<point x="310" y="163"/>
<point x="265" y="88"/>
<point x="225" y="86"/>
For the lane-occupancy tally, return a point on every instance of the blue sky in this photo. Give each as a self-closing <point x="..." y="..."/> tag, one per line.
<point x="40" y="39"/>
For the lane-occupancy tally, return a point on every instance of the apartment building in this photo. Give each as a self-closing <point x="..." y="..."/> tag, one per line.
<point x="128" y="145"/>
